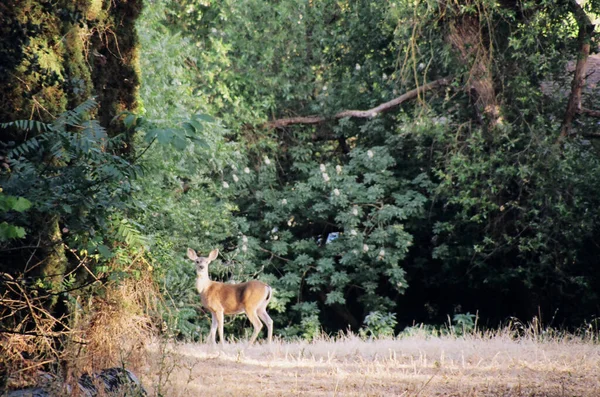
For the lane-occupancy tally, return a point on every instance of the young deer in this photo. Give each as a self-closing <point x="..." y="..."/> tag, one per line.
<point x="251" y="297"/>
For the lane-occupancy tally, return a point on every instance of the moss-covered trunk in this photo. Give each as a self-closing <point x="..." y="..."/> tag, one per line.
<point x="53" y="56"/>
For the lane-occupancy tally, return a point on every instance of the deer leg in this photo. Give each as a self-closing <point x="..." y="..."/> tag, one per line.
<point x="219" y="315"/>
<point x="256" y="323"/>
<point x="213" y="329"/>
<point x="262" y="313"/>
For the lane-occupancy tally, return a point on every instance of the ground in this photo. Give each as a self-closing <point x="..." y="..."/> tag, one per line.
<point x="409" y="366"/>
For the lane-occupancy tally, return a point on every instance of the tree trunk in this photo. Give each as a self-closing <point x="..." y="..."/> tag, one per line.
<point x="585" y="35"/>
<point x="54" y="264"/>
<point x="54" y="56"/>
<point x="466" y="38"/>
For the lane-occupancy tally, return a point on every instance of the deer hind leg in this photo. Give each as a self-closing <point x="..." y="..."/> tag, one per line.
<point x="262" y="313"/>
<point x="256" y="323"/>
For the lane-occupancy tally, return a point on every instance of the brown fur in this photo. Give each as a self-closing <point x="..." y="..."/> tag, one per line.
<point x="233" y="298"/>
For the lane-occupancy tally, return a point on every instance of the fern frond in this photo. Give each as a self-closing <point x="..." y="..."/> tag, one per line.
<point x="27" y="125"/>
<point x="74" y="117"/>
<point x="127" y="232"/>
<point x="28" y="147"/>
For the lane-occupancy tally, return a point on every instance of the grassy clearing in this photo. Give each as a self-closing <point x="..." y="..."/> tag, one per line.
<point x="489" y="365"/>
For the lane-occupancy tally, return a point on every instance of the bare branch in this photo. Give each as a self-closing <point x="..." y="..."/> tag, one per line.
<point x="384" y="107"/>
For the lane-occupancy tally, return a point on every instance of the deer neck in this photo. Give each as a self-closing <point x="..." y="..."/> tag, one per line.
<point x="202" y="282"/>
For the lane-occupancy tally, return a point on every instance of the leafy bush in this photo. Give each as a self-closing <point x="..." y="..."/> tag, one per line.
<point x="377" y="325"/>
<point x="68" y="170"/>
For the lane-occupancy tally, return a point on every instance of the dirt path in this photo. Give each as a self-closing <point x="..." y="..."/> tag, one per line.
<point x="406" y="367"/>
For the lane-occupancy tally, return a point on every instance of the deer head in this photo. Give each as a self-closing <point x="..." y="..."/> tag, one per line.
<point x="202" y="262"/>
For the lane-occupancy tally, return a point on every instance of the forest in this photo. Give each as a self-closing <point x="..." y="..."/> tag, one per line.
<point x="387" y="167"/>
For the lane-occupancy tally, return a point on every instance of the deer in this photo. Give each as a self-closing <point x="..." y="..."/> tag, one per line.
<point x="251" y="297"/>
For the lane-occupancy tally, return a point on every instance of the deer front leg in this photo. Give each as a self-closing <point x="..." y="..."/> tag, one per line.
<point x="213" y="329"/>
<point x="219" y="316"/>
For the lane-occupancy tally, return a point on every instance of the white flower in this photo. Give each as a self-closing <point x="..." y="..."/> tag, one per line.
<point x="275" y="237"/>
<point x="324" y="88"/>
<point x="323" y="168"/>
<point x="357" y="67"/>
<point x="382" y="253"/>
<point x="336" y="192"/>
<point x="338" y="169"/>
<point x="233" y="167"/>
<point x="267" y="161"/>
<point x="226" y="185"/>
<point x="284" y="202"/>
<point x="384" y="76"/>
<point x="353" y="232"/>
<point x="365" y="248"/>
<point x="235" y="178"/>
<point x="247" y="170"/>
<point x="370" y="154"/>
<point x="244" y="239"/>
<point x="325" y="177"/>
<point x="244" y="248"/>
<point x="355" y="211"/>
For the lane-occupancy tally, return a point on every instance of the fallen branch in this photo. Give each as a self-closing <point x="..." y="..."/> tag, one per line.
<point x="384" y="107"/>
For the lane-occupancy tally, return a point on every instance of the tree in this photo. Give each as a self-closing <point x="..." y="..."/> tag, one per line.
<point x="55" y="57"/>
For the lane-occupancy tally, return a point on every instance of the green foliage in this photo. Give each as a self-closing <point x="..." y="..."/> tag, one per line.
<point x="69" y="171"/>
<point x="464" y="323"/>
<point x="324" y="223"/>
<point x="461" y="324"/>
<point x="335" y="227"/>
<point x="378" y="325"/>
<point x="12" y="203"/>
<point x="341" y="217"/>
<point x="182" y="151"/>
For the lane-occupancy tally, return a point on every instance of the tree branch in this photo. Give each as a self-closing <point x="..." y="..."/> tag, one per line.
<point x="384" y="107"/>
<point x="590" y="112"/>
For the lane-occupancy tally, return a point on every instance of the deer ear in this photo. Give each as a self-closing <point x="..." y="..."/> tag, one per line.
<point x="192" y="254"/>
<point x="213" y="254"/>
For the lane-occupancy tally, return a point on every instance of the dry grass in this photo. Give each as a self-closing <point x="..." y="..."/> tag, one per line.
<point x="495" y="365"/>
<point x="105" y="330"/>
